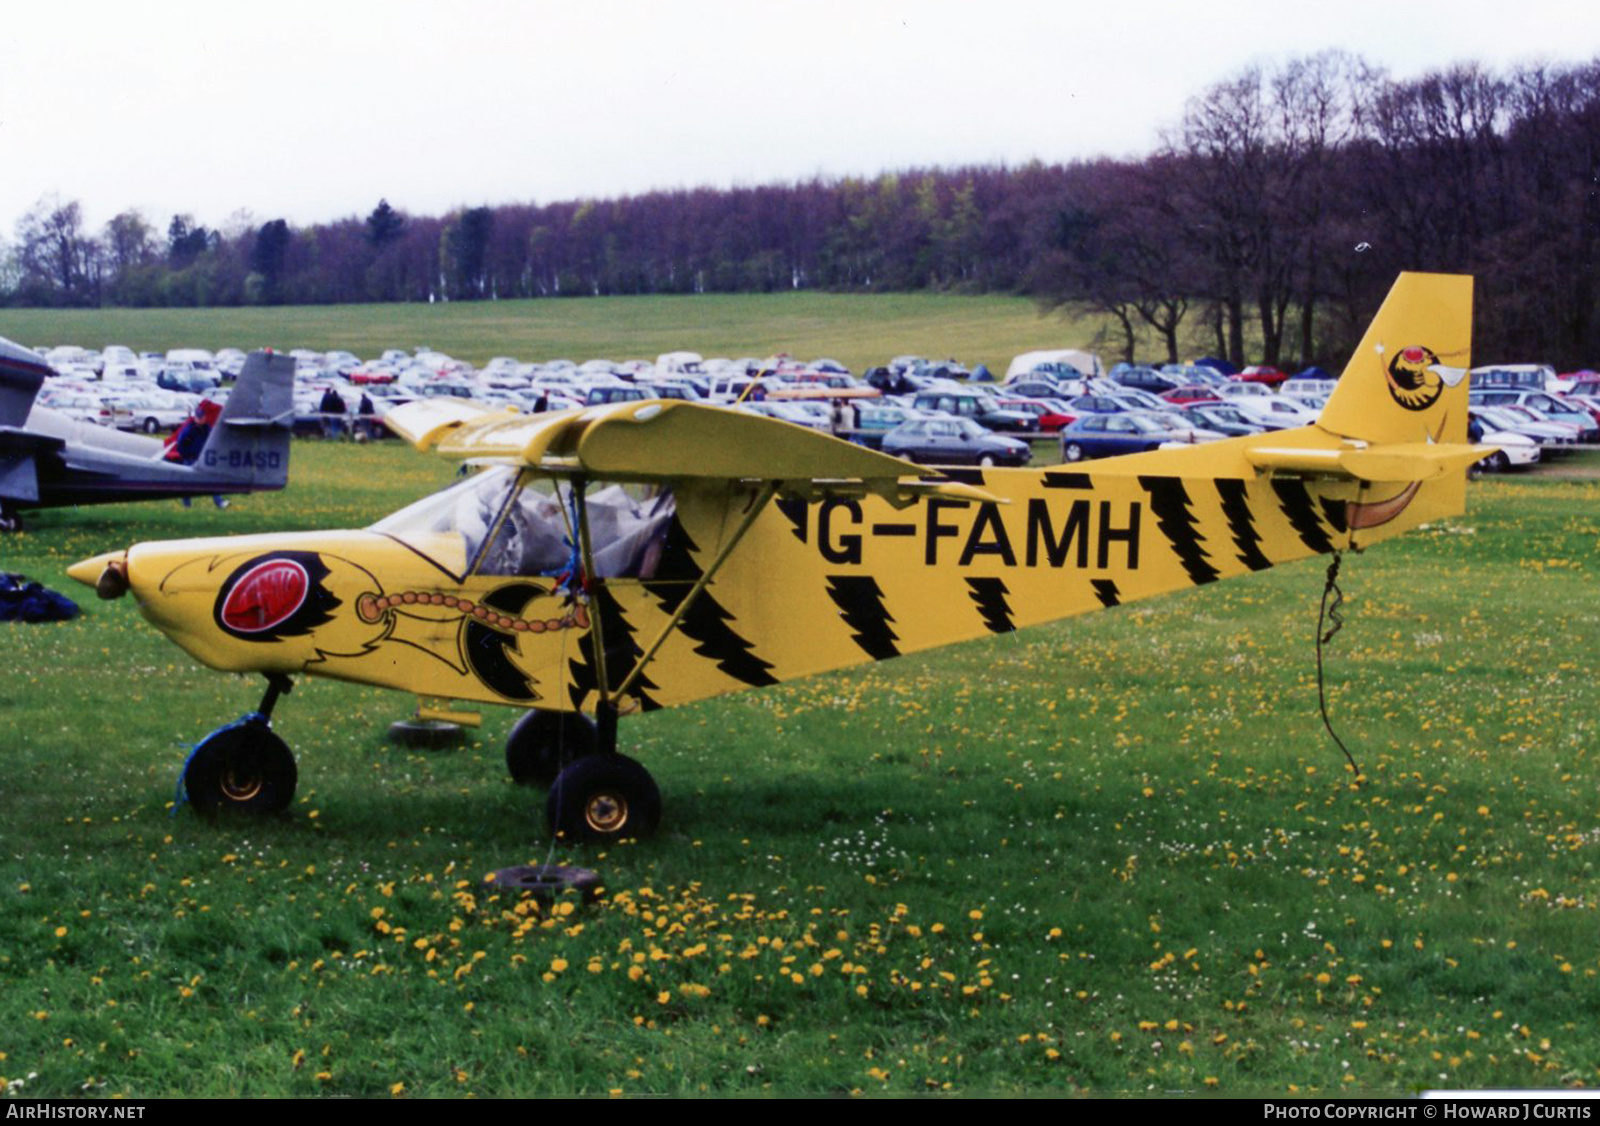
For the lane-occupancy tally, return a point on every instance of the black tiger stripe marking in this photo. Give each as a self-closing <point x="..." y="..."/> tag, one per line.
<point x="1333" y="513"/>
<point x="1067" y="480"/>
<point x="989" y="595"/>
<point x="622" y="653"/>
<point x="1106" y="591"/>
<point x="1242" y="523"/>
<point x="860" y="602"/>
<point x="1170" y="502"/>
<point x="1295" y="502"/>
<point x="797" y="511"/>
<point x="488" y="650"/>
<point x="706" y="621"/>
<point x="964" y="476"/>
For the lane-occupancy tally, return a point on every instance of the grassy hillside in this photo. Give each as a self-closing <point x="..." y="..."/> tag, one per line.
<point x="858" y="330"/>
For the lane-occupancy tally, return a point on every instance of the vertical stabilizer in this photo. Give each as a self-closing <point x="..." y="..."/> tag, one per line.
<point x="1407" y="380"/>
<point x="250" y="441"/>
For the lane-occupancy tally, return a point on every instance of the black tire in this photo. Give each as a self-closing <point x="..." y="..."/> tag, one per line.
<point x="543" y="742"/>
<point x="987" y="461"/>
<point x="548" y="882"/>
<point x="601" y="798"/>
<point x="425" y="734"/>
<point x="1497" y="462"/>
<point x="10" y="518"/>
<point x="243" y="766"/>
<point x="1072" y="452"/>
<point x="151" y="426"/>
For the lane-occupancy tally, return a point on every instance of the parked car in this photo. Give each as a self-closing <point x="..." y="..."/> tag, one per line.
<point x="979" y="406"/>
<point x="1052" y="416"/>
<point x="1262" y="373"/>
<point x="1275" y="412"/>
<point x="1192" y="393"/>
<point x="1551" y="407"/>
<point x="1224" y="418"/>
<point x="953" y="441"/>
<point x="1512" y="450"/>
<point x="152" y="413"/>
<point x="1109" y="435"/>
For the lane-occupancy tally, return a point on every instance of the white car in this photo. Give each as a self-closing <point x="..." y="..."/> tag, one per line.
<point x="151" y="412"/>
<point x="1515" y="451"/>
<point x="1272" y="411"/>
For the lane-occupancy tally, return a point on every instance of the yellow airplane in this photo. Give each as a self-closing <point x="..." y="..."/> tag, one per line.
<point x="621" y="558"/>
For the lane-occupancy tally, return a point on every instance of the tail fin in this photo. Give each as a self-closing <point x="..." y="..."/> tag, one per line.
<point x="1407" y="381"/>
<point x="250" y="442"/>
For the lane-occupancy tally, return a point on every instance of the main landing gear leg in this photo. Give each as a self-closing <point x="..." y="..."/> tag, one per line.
<point x="605" y="796"/>
<point x="243" y="765"/>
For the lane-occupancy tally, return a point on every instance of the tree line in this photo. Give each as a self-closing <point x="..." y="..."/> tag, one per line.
<point x="1268" y="223"/>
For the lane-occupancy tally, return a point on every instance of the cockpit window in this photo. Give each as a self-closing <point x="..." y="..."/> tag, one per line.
<point x="504" y="527"/>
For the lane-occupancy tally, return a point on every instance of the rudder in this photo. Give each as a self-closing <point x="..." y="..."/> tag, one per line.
<point x="1407" y="380"/>
<point x="250" y="441"/>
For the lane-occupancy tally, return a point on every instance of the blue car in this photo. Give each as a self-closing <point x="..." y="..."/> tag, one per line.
<point x="1109" y="435"/>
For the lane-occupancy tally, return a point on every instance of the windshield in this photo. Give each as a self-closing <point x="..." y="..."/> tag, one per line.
<point x="498" y="524"/>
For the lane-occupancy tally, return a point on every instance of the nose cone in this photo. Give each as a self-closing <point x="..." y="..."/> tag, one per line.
<point x="107" y="573"/>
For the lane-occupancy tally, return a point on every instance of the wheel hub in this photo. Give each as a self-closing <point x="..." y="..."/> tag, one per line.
<point x="606" y="812"/>
<point x="239" y="786"/>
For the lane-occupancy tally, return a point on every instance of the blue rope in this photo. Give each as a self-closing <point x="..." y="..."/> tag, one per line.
<point x="574" y="569"/>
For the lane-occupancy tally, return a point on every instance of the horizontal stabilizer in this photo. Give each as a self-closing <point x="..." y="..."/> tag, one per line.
<point x="1410" y="461"/>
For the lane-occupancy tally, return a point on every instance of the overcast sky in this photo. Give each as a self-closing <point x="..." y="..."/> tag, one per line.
<point x="313" y="110"/>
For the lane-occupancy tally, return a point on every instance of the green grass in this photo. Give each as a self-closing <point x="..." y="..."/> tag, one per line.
<point x="1116" y="854"/>
<point x="858" y="330"/>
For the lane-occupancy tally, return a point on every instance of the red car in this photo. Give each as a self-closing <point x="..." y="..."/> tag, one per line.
<point x="1192" y="393"/>
<point x="1050" y="417"/>
<point x="1261" y="373"/>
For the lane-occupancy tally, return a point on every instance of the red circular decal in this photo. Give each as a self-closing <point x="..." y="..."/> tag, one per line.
<point x="265" y="596"/>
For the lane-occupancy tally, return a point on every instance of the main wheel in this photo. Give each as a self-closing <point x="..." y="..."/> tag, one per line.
<point x="242" y="766"/>
<point x="604" y="797"/>
<point x="543" y="742"/>
<point x="1072" y="452"/>
<point x="151" y="426"/>
<point x="987" y="461"/>
<point x="1497" y="462"/>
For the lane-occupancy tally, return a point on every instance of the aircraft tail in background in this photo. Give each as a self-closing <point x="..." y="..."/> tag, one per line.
<point x="248" y="449"/>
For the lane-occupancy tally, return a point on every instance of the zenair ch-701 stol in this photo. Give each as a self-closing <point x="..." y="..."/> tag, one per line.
<point x="617" y="559"/>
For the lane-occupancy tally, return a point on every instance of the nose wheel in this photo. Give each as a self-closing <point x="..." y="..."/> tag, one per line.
<point x="243" y="765"/>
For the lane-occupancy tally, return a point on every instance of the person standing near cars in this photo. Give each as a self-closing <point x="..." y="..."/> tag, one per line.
<point x="839" y="420"/>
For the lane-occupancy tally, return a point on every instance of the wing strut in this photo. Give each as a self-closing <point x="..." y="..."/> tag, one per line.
<point x="768" y="490"/>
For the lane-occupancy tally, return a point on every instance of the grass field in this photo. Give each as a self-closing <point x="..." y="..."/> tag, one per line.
<point x="1118" y="854"/>
<point x="858" y="330"/>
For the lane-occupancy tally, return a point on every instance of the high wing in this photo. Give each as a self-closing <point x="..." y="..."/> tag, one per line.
<point x="662" y="440"/>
